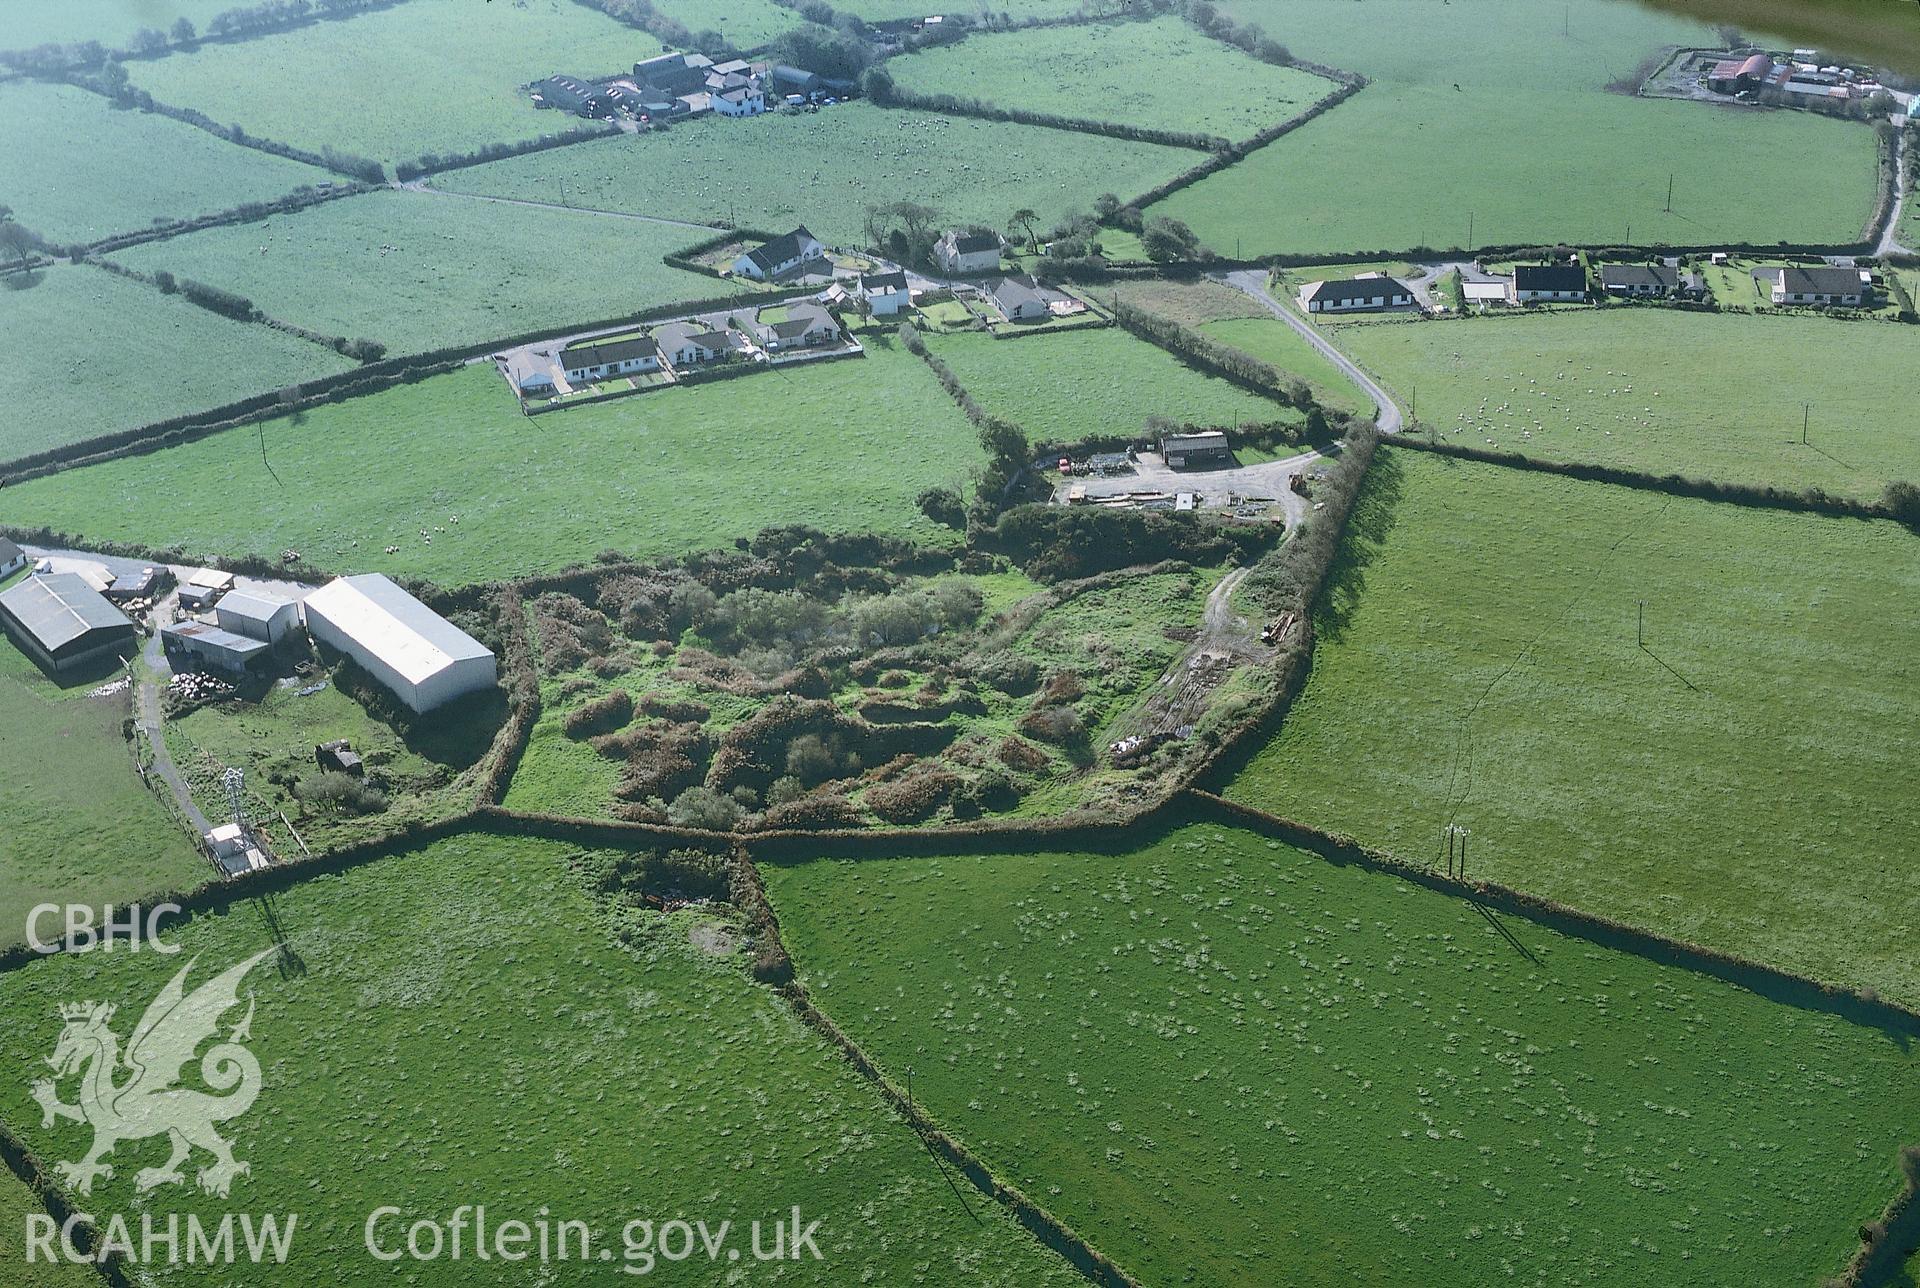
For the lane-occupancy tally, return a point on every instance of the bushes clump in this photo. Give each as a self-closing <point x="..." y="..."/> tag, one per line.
<point x="913" y="797"/>
<point x="704" y="808"/>
<point x="1059" y="725"/>
<point x="602" y="717"/>
<point x="678" y="710"/>
<point x="1017" y="753"/>
<point x="339" y="793"/>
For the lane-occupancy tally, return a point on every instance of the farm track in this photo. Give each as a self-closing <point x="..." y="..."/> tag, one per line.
<point x="422" y="186"/>
<point x="1890" y="235"/>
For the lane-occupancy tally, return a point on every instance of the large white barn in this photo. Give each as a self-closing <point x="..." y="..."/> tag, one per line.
<point x="424" y="658"/>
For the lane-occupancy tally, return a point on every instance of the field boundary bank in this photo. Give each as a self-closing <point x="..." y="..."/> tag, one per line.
<point x="362" y="169"/>
<point x="1346" y="86"/>
<point x="1756" y="496"/>
<point x="26" y="1167"/>
<point x="977" y="109"/>
<point x="1052" y="1233"/>
<point x="381" y="375"/>
<point x="1773" y="983"/>
<point x="312" y="18"/>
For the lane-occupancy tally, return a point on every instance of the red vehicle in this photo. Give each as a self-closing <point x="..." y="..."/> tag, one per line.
<point x="1066" y="466"/>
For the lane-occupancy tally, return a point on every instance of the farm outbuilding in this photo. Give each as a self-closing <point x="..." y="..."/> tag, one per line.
<point x="12" y="558"/>
<point x="63" y="623"/>
<point x="421" y="656"/>
<point x="1196" y="451"/>
<point x="195" y="646"/>
<point x="257" y="616"/>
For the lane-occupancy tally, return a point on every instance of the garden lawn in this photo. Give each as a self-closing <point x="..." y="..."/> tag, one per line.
<point x="62" y="383"/>
<point x="1488" y="110"/>
<point x="1272" y="341"/>
<point x="744" y="24"/>
<point x="1196" y="84"/>
<point x="77" y="170"/>
<point x="80" y="825"/>
<point x="1215" y="1055"/>
<point x="824" y="168"/>
<point x="1743" y="781"/>
<point x="421" y="271"/>
<point x="1095" y="383"/>
<point x="1712" y="396"/>
<point x="427" y="76"/>
<point x="467" y="489"/>
<point x="460" y="1025"/>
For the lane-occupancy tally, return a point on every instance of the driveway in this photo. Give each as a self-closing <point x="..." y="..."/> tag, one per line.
<point x="147" y="712"/>
<point x="1890" y="238"/>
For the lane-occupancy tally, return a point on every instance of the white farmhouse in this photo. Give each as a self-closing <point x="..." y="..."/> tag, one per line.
<point x="418" y="654"/>
<point x="886" y="294"/>
<point x="960" y="252"/>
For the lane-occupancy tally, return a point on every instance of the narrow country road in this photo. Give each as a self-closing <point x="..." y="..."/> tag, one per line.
<point x="1890" y="236"/>
<point x="1254" y="282"/>
<point x="421" y="186"/>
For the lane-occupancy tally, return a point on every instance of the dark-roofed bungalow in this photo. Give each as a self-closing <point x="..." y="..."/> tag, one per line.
<point x="782" y="255"/>
<point x="1019" y="300"/>
<point x="1846" y="288"/>
<point x="1534" y="283"/>
<point x="62" y="623"/>
<point x="1353" y="294"/>
<point x="1196" y="451"/>
<point x="600" y="359"/>
<point x="805" y="326"/>
<point x="1645" y="281"/>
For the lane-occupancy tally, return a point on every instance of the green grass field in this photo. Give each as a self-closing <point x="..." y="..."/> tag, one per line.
<point x="1740" y="782"/>
<point x="1271" y="340"/>
<point x="823" y="169"/>
<point x="1472" y="103"/>
<point x="16" y="1201"/>
<point x="1086" y="384"/>
<point x="747" y="24"/>
<point x="1718" y="397"/>
<point x="135" y="167"/>
<point x="468" y="489"/>
<point x="166" y="357"/>
<point x="1096" y="72"/>
<point x="459" y="1025"/>
<point x="428" y="76"/>
<point x="1226" y="1061"/>
<point x="112" y="22"/>
<point x="80" y="825"/>
<point x="419" y="271"/>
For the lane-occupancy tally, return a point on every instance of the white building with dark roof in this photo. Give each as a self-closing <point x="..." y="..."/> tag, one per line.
<point x="419" y="655"/>
<point x="12" y="558"/>
<point x="959" y="252"/>
<point x="782" y="255"/>
<point x="62" y="623"/>
<point x="1354" y="294"/>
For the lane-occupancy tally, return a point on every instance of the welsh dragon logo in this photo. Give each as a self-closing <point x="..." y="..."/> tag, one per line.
<point x="147" y="1102"/>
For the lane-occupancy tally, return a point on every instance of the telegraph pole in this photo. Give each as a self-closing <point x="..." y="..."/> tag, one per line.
<point x="1641" y="633"/>
<point x="1669" y="192"/>
<point x="1806" y="414"/>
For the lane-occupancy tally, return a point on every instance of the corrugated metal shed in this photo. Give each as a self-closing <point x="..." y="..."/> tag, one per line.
<point x="58" y="608"/>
